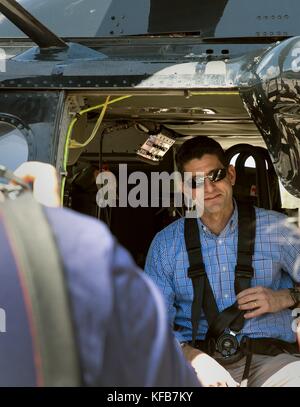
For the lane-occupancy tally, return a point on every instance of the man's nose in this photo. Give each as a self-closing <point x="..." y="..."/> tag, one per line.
<point x="208" y="185"/>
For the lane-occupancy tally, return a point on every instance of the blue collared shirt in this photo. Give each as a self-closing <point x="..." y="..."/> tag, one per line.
<point x="276" y="263"/>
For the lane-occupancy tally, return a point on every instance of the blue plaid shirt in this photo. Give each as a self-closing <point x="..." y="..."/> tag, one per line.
<point x="276" y="263"/>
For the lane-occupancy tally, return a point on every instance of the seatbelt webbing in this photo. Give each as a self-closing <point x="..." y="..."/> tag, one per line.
<point x="203" y="296"/>
<point x="231" y="317"/>
<point x="246" y="243"/>
<point x="43" y="275"/>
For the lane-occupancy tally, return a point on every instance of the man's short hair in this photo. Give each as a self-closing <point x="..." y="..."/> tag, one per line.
<point x="197" y="147"/>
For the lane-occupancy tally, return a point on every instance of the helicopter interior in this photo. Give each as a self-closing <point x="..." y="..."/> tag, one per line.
<point x="108" y="130"/>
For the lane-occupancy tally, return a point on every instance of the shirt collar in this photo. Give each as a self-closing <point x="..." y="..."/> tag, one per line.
<point x="230" y="226"/>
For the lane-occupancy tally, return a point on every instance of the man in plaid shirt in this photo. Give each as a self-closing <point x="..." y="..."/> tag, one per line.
<point x="275" y="261"/>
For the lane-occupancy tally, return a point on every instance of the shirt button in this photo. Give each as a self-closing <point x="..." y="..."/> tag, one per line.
<point x="220" y="241"/>
<point x="224" y="269"/>
<point x="226" y="296"/>
<point x="204" y="228"/>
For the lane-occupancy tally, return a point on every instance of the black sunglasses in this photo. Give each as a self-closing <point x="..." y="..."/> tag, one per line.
<point x="213" y="176"/>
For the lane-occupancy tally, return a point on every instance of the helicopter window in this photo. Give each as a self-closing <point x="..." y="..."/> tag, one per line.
<point x="13" y="146"/>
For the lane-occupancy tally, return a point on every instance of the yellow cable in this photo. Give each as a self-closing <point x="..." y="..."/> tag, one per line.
<point x="74" y="144"/>
<point x="69" y="133"/>
<point x="102" y="104"/>
<point x="65" y="159"/>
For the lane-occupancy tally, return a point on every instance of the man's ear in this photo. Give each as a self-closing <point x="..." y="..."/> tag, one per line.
<point x="231" y="174"/>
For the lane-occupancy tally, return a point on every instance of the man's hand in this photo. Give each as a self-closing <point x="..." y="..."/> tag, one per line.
<point x="209" y="372"/>
<point x="44" y="179"/>
<point x="257" y="301"/>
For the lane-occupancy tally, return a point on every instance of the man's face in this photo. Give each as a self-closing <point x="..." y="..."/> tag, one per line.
<point x="217" y="195"/>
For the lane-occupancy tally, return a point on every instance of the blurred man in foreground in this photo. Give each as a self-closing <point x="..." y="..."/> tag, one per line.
<point x="104" y="323"/>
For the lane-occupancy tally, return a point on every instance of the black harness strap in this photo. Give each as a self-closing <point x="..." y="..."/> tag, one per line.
<point x="231" y="317"/>
<point x="197" y="273"/>
<point x="246" y="241"/>
<point x="217" y="339"/>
